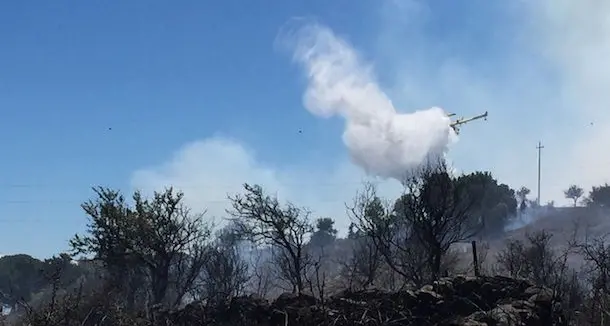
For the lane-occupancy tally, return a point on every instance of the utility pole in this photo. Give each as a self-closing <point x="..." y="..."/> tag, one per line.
<point x="539" y="147"/>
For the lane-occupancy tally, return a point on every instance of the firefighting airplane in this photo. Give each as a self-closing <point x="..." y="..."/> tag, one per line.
<point x="455" y="124"/>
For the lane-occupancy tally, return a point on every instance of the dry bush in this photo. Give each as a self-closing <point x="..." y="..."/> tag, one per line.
<point x="362" y="267"/>
<point x="224" y="275"/>
<point x="596" y="254"/>
<point x="261" y="275"/>
<point x="82" y="305"/>
<point x="536" y="260"/>
<point x="317" y="279"/>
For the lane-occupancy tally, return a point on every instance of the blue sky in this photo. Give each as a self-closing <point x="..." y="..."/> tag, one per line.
<point x="144" y="94"/>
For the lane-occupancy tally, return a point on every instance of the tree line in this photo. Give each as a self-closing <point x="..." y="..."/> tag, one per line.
<point x="156" y="253"/>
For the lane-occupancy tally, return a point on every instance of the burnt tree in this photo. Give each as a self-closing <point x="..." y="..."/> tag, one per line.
<point x="435" y="211"/>
<point x="225" y="272"/>
<point x="263" y="220"/>
<point x="363" y="266"/>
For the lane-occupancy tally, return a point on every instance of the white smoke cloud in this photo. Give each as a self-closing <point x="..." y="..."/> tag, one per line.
<point x="379" y="139"/>
<point x="207" y="170"/>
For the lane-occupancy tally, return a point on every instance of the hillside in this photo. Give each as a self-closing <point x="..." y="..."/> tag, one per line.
<point x="565" y="224"/>
<point x="561" y="222"/>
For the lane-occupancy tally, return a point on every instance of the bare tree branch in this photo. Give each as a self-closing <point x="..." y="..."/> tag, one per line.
<point x="263" y="220"/>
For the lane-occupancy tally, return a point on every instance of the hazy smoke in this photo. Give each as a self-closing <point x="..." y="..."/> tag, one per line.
<point x="380" y="140"/>
<point x="525" y="218"/>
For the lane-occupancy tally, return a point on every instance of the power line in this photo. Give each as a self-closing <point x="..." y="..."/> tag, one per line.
<point x="80" y="201"/>
<point x="204" y="185"/>
<point x="5" y="221"/>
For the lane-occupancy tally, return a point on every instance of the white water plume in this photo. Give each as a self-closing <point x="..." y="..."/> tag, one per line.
<point x="382" y="141"/>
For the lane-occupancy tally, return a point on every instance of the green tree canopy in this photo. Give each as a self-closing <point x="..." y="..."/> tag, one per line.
<point x="574" y="192"/>
<point x="599" y="196"/>
<point x="155" y="245"/>
<point x="325" y="232"/>
<point x="496" y="202"/>
<point x="20" y="277"/>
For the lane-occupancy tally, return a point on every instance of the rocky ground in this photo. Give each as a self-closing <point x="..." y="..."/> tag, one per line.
<point x="451" y="301"/>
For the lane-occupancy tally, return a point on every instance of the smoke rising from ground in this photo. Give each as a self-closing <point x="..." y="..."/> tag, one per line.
<point x="379" y="139"/>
